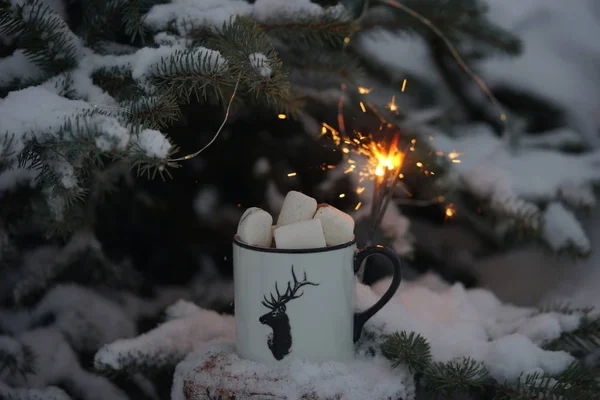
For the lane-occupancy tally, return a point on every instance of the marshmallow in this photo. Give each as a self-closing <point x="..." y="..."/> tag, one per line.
<point x="300" y="235"/>
<point x="244" y="215"/>
<point x="255" y="227"/>
<point x="296" y="207"/>
<point x="338" y="227"/>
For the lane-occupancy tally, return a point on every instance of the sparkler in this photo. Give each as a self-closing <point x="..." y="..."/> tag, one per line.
<point x="384" y="160"/>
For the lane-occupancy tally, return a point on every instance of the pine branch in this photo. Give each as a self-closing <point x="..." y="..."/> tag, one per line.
<point x="467" y="376"/>
<point x="152" y="111"/>
<point x="197" y="72"/>
<point x="117" y="81"/>
<point x="134" y="12"/>
<point x="565" y="308"/>
<point x="408" y="348"/>
<point x="16" y="357"/>
<point x="331" y="26"/>
<point x="460" y="376"/>
<point x="583" y="340"/>
<point x="322" y="68"/>
<point x="42" y="34"/>
<point x="47" y="393"/>
<point x="100" y="20"/>
<point x="249" y="52"/>
<point x="576" y="383"/>
<point x="459" y="20"/>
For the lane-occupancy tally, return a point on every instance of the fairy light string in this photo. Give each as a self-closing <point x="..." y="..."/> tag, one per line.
<point x="453" y="51"/>
<point x="216" y="135"/>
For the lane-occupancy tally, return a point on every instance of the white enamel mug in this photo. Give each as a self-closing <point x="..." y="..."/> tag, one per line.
<point x="300" y="303"/>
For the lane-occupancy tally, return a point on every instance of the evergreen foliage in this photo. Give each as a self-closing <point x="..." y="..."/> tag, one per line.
<point x="122" y="91"/>
<point x="467" y="376"/>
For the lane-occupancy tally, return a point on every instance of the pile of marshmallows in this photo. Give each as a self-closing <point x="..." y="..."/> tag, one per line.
<point x="302" y="224"/>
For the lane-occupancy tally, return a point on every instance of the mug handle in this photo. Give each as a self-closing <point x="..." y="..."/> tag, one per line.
<point x="362" y="317"/>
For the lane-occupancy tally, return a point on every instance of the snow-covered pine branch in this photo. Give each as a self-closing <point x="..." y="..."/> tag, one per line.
<point x="533" y="187"/>
<point x="84" y="107"/>
<point x="188" y="327"/>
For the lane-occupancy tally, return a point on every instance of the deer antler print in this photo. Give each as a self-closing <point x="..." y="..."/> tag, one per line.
<point x="289" y="294"/>
<point x="280" y="341"/>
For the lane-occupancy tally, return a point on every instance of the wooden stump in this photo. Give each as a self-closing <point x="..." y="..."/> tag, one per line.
<point x="218" y="373"/>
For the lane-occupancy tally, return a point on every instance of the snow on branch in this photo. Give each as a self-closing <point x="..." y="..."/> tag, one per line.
<point x="188" y="328"/>
<point x="48" y="393"/>
<point x="43" y="35"/>
<point x="527" y="186"/>
<point x="86" y="319"/>
<point x="57" y="364"/>
<point x="460" y="323"/>
<point x="185" y="13"/>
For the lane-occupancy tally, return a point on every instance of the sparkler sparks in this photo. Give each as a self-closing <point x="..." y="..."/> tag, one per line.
<point x="450" y="211"/>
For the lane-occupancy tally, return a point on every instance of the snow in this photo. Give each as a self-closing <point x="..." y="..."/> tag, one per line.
<point x="512" y="355"/>
<point x="214" y="13"/>
<point x="56" y="363"/>
<point x="456" y="322"/>
<point x="260" y="62"/>
<point x="533" y="174"/>
<point x="269" y="10"/>
<point x="48" y="393"/>
<point x="153" y="143"/>
<point x="11" y="178"/>
<point x="218" y="365"/>
<point x="18" y="67"/>
<point x="207" y="12"/>
<point x="71" y="45"/>
<point x="85" y="318"/>
<point x="171" y="341"/>
<point x="49" y="117"/>
<point x="471" y="323"/>
<point x="516" y="181"/>
<point x="558" y="59"/>
<point x="557" y="64"/>
<point x="562" y="229"/>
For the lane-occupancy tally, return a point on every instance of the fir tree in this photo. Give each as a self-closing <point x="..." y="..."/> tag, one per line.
<point x="128" y="85"/>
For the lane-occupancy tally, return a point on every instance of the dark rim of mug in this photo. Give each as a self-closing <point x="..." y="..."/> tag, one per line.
<point x="293" y="251"/>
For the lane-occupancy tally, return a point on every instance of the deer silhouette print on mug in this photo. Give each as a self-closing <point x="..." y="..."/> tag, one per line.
<point x="300" y="303"/>
<point x="280" y="341"/>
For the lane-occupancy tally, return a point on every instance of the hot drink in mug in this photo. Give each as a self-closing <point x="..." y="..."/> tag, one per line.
<point x="299" y="303"/>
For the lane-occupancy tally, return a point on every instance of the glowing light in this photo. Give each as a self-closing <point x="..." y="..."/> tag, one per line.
<point x="364" y="90"/>
<point x="392" y="104"/>
<point x="450" y="211"/>
<point x="342" y="195"/>
<point x="360" y="189"/>
<point x="358" y="205"/>
<point x="386" y="159"/>
<point x="346" y="40"/>
<point x="404" y="85"/>
<point x="419" y="164"/>
<point x="362" y="107"/>
<point x="281" y="116"/>
<point x="456" y="161"/>
<point x="345" y="150"/>
<point x="453" y="155"/>
<point x="291" y="174"/>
